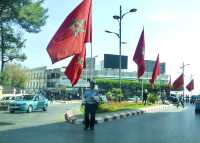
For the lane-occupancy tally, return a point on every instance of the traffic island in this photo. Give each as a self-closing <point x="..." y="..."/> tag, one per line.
<point x="73" y="118"/>
<point x="101" y="117"/>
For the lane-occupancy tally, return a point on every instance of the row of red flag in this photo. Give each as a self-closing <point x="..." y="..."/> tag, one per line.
<point x="76" y="31"/>
<point x="70" y="40"/>
<point x="138" y="58"/>
<point x="179" y="83"/>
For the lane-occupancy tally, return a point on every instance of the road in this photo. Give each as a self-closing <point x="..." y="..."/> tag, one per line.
<point x="175" y="126"/>
<point x="54" y="114"/>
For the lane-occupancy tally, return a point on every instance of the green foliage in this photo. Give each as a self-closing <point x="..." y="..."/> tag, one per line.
<point x="152" y="98"/>
<point x="14" y="76"/>
<point x="118" y="106"/>
<point x="16" y="16"/>
<point x="109" y="95"/>
<point x="117" y="93"/>
<point x="129" y="87"/>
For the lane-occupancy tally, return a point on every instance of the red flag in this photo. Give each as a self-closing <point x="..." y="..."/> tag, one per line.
<point x="74" y="69"/>
<point x="138" y="57"/>
<point x="72" y="34"/>
<point x="156" y="71"/>
<point x="190" y="85"/>
<point x="178" y="83"/>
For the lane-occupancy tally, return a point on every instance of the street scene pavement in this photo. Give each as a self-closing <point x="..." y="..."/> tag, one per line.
<point x="174" y="126"/>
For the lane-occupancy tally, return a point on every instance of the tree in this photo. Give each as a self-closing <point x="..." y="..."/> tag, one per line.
<point x="16" y="16"/>
<point x="14" y="76"/>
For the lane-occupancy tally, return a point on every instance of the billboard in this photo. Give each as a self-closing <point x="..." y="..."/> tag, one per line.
<point x="112" y="61"/>
<point x="149" y="65"/>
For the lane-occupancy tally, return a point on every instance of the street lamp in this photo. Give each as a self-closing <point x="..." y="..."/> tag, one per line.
<point x="183" y="67"/>
<point x="92" y="66"/>
<point x="119" y="19"/>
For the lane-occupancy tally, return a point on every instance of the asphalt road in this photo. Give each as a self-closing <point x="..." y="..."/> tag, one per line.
<point x="177" y="126"/>
<point x="54" y="114"/>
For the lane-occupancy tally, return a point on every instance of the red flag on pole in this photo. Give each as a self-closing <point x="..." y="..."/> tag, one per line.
<point x="138" y="57"/>
<point x="178" y="83"/>
<point x="74" y="69"/>
<point x="156" y="71"/>
<point x="72" y="34"/>
<point x="190" y="85"/>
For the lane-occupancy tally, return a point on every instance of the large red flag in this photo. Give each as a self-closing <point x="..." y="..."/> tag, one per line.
<point x="156" y="71"/>
<point x="190" y="85"/>
<point x="178" y="83"/>
<point x="74" y="69"/>
<point x="72" y="34"/>
<point x="138" y="57"/>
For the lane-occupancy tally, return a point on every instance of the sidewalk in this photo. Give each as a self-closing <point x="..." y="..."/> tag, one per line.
<point x="105" y="117"/>
<point x="65" y="102"/>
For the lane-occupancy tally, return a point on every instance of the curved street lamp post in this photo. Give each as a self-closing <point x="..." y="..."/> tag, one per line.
<point x="119" y="19"/>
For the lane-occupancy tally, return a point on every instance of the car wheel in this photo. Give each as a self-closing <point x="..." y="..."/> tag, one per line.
<point x="11" y="111"/>
<point x="30" y="109"/>
<point x="45" y="108"/>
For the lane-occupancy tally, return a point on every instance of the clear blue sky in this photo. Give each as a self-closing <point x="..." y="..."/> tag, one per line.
<point x="172" y="29"/>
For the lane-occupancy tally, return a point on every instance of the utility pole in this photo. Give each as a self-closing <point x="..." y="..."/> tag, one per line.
<point x="183" y="67"/>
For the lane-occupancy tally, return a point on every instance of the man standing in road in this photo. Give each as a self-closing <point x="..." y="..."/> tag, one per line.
<point x="145" y="96"/>
<point x="90" y="100"/>
<point x="180" y="100"/>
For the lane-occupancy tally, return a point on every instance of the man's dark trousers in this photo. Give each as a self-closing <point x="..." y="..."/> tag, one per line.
<point x="90" y="111"/>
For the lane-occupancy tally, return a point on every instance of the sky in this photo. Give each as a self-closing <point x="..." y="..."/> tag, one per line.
<point x="171" y="28"/>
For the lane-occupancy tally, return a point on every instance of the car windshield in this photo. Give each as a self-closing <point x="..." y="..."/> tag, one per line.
<point x="28" y="97"/>
<point x="6" y="98"/>
<point x="18" y="98"/>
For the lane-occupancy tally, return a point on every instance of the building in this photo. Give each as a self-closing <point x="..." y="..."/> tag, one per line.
<point x="42" y="78"/>
<point x="53" y="80"/>
<point x="149" y="65"/>
<point x="37" y="79"/>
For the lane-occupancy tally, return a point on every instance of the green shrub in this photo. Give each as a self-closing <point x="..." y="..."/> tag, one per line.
<point x="152" y="98"/>
<point x="117" y="93"/>
<point x="109" y="95"/>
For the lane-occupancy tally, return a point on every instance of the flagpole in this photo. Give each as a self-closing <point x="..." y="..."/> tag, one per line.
<point x="170" y="86"/>
<point x="91" y="61"/>
<point x="142" y="93"/>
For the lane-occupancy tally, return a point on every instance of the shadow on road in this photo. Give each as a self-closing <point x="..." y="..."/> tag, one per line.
<point x="51" y="133"/>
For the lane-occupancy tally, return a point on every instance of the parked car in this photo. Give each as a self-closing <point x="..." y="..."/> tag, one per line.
<point x="7" y="99"/>
<point x="197" y="104"/>
<point x="193" y="99"/>
<point x="29" y="103"/>
<point x="134" y="99"/>
<point x="173" y="98"/>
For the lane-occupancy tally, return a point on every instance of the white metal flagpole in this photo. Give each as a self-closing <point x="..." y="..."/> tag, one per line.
<point x="142" y="89"/>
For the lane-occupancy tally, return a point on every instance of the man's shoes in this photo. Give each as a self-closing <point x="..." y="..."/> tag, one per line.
<point x="85" y="129"/>
<point x="92" y="129"/>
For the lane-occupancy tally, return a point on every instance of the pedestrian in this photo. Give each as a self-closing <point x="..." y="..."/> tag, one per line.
<point x="51" y="98"/>
<point x="187" y="98"/>
<point x="90" y="101"/>
<point x="145" y="96"/>
<point x="180" y="101"/>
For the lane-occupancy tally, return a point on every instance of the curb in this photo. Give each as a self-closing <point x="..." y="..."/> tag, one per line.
<point x="70" y="117"/>
<point x="159" y="108"/>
